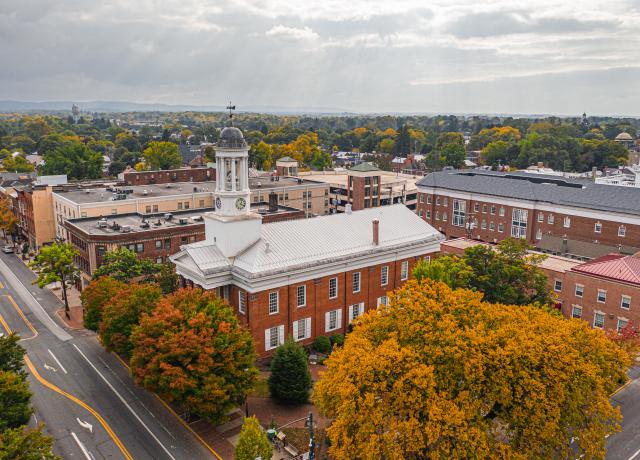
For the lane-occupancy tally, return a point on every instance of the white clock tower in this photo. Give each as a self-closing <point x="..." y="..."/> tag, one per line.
<point x="232" y="227"/>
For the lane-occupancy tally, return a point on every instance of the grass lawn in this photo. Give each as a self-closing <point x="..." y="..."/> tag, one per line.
<point x="260" y="389"/>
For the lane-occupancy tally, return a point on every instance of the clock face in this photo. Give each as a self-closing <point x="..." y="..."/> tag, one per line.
<point x="218" y="203"/>
<point x="240" y="203"/>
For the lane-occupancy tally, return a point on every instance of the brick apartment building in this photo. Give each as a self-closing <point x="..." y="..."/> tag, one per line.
<point x="365" y="186"/>
<point x="200" y="174"/>
<point x="574" y="218"/>
<point x="151" y="236"/>
<point x="301" y="278"/>
<point x="605" y="292"/>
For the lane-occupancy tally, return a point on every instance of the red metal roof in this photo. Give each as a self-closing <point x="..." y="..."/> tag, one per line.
<point x="614" y="266"/>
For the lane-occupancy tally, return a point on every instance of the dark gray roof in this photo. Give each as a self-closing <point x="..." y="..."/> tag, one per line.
<point x="580" y="249"/>
<point x="231" y="137"/>
<point x="188" y="152"/>
<point x="541" y="188"/>
<point x="364" y="167"/>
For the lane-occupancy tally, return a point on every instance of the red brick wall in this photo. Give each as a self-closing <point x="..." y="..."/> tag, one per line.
<point x="358" y="191"/>
<point x="581" y="228"/>
<point x="173" y="175"/>
<point x="318" y="302"/>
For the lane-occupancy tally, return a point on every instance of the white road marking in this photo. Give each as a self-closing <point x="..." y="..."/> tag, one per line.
<point x="84" y="450"/>
<point x="50" y="368"/>
<point x="125" y="403"/>
<point x="56" y="359"/>
<point x="86" y="425"/>
<point x="635" y="455"/>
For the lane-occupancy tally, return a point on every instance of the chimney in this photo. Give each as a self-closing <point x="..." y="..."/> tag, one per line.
<point x="347" y="208"/>
<point x="376" y="232"/>
<point x="273" y="202"/>
<point x="540" y="164"/>
<point x="594" y="173"/>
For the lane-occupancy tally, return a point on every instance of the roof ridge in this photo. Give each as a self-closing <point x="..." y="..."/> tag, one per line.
<point x="625" y="260"/>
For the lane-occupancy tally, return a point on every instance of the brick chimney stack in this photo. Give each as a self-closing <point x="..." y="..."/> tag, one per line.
<point x="376" y="232"/>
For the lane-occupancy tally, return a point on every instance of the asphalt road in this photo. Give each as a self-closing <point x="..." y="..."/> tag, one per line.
<point x="626" y="444"/>
<point x="83" y="394"/>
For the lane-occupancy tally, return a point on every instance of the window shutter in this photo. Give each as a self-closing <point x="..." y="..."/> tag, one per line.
<point x="280" y="335"/>
<point x="339" y="319"/>
<point x="307" y="332"/>
<point x="350" y="313"/>
<point x="295" y="331"/>
<point x="267" y="339"/>
<point x="326" y="322"/>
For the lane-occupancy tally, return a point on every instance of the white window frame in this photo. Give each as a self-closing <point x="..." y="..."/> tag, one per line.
<point x="500" y="227"/>
<point x="604" y="300"/>
<point x="242" y="302"/>
<point x="624" y="322"/>
<point x="595" y="316"/>
<point x="334" y="288"/>
<point x="269" y="342"/>
<point x="538" y="234"/>
<point x="501" y="211"/>
<point x="519" y="218"/>
<point x="384" y="275"/>
<point x="622" y="231"/>
<point x="581" y="286"/>
<point x="355" y="310"/>
<point x="301" y="292"/>
<point x="597" y="227"/>
<point x="356" y="285"/>
<point x="566" y="222"/>
<point x="551" y="219"/>
<point x="540" y="217"/>
<point x="622" y="302"/>
<point x="274" y="301"/>
<point x="404" y="270"/>
<point x="555" y="285"/>
<point x="459" y="213"/>
<point x="382" y="300"/>
<point x="337" y="320"/>
<point x="574" y="309"/>
<point x="306" y="329"/>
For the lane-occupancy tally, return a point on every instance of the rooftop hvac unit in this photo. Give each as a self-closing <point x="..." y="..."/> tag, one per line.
<point x="86" y="190"/>
<point x="183" y="221"/>
<point x="145" y="192"/>
<point x="102" y="223"/>
<point x="125" y="228"/>
<point x="196" y="218"/>
<point x="168" y="216"/>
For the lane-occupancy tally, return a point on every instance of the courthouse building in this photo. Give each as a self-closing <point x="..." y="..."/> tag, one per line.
<point x="299" y="278"/>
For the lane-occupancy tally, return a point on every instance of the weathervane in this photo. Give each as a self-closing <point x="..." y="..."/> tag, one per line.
<point x="230" y="108"/>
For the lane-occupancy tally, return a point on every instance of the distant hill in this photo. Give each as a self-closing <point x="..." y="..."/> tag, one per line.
<point x="123" y="106"/>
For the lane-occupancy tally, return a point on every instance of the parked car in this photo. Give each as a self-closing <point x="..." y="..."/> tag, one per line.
<point x="7" y="249"/>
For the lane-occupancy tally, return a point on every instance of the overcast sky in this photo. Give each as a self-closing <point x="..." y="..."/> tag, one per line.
<point x="453" y="56"/>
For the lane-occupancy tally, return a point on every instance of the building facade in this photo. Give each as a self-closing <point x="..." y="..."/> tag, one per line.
<point x="200" y="174"/>
<point x="300" y="278"/>
<point x="562" y="216"/>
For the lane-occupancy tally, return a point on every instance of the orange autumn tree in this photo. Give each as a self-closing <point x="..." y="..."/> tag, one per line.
<point x="191" y="350"/>
<point x="441" y="374"/>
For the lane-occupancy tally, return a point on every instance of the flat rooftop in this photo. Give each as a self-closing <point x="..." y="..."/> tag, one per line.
<point x="105" y="194"/>
<point x="158" y="221"/>
<point x="387" y="178"/>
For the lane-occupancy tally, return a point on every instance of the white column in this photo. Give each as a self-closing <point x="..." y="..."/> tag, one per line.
<point x="220" y="174"/>
<point x="245" y="174"/>
<point x="234" y="166"/>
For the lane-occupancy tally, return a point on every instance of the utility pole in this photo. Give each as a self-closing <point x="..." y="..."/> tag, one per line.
<point x="312" y="444"/>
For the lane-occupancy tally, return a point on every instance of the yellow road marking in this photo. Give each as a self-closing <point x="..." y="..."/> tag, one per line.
<point x="81" y="403"/>
<point x="24" y="318"/>
<point x="180" y="419"/>
<point x="1" y="285"/>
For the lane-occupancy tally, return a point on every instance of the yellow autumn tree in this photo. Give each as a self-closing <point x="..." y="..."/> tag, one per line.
<point x="440" y="374"/>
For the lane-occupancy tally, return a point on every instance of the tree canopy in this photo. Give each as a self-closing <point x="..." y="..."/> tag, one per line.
<point x="26" y="444"/>
<point x="191" y="349"/>
<point x="439" y="373"/>
<point x="56" y="263"/>
<point x="11" y="355"/>
<point x="96" y="296"/>
<point x="74" y="159"/>
<point x="162" y="155"/>
<point x="124" y="265"/>
<point x="253" y="442"/>
<point x="290" y="379"/>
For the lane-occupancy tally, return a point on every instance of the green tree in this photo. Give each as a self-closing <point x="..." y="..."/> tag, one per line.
<point x="192" y="350"/>
<point x="14" y="400"/>
<point x="261" y="156"/>
<point x="123" y="264"/>
<point x="290" y="379"/>
<point x="74" y="159"/>
<point x="453" y="155"/>
<point x="253" y="442"/>
<point x="402" y="146"/>
<point x="508" y="275"/>
<point x="26" y="444"/>
<point x="95" y="296"/>
<point x="449" y="138"/>
<point x="17" y="164"/>
<point x="11" y="355"/>
<point x="499" y="152"/>
<point x="122" y="314"/>
<point x="162" y="155"/>
<point x="210" y="154"/>
<point x="167" y="278"/>
<point x="439" y="373"/>
<point x="451" y="270"/>
<point x="56" y="263"/>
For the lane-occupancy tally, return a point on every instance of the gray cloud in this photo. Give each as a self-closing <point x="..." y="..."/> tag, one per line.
<point x="361" y="55"/>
